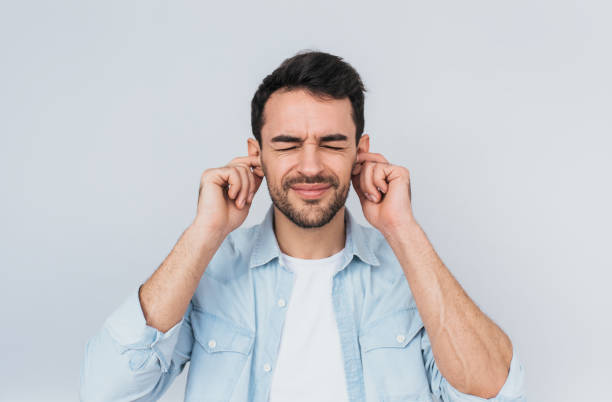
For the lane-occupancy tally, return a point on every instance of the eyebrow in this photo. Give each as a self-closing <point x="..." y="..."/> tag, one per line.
<point x="325" y="138"/>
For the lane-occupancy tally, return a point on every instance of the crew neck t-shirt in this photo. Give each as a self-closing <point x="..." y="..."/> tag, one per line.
<point x="309" y="366"/>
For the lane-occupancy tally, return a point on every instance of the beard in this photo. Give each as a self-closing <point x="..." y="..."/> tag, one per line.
<point x="308" y="213"/>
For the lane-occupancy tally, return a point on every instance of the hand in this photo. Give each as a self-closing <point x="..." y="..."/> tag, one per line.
<point x="389" y="185"/>
<point x="226" y="194"/>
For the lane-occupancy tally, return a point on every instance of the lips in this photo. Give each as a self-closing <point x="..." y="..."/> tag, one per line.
<point x="311" y="191"/>
<point x="310" y="187"/>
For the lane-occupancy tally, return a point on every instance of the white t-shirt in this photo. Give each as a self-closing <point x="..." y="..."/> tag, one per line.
<point x="309" y="366"/>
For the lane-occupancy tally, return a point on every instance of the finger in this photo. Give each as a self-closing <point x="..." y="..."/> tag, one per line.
<point x="252" y="161"/>
<point x="250" y="181"/>
<point x="257" y="180"/>
<point x="252" y="185"/>
<point x="255" y="175"/>
<point x="358" y="189"/>
<point x="244" y="185"/>
<point x="371" y="157"/>
<point x="232" y="179"/>
<point x="379" y="177"/>
<point x="367" y="184"/>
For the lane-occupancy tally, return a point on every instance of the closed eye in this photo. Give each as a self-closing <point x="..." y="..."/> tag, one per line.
<point x="324" y="146"/>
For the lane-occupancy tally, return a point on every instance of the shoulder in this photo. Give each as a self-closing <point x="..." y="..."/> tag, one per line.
<point x="389" y="267"/>
<point x="225" y="288"/>
<point x="388" y="286"/>
<point x="231" y="260"/>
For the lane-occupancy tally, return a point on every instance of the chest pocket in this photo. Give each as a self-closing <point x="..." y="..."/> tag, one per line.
<point x="392" y="360"/>
<point x="219" y="355"/>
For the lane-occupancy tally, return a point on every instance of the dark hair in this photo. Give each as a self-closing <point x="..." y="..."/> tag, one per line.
<point x="322" y="74"/>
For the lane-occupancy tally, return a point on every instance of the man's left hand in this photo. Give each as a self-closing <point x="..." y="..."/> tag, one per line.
<point x="389" y="185"/>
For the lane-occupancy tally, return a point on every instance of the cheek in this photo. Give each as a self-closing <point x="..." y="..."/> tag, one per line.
<point x="345" y="171"/>
<point x="274" y="172"/>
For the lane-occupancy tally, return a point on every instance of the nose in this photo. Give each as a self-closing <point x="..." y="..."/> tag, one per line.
<point x="309" y="163"/>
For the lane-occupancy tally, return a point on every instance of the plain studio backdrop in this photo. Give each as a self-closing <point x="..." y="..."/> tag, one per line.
<point x="501" y="111"/>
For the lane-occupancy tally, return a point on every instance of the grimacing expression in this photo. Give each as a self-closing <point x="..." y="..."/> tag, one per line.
<point x="307" y="140"/>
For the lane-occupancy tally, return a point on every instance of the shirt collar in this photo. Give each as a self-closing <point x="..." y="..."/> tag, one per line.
<point x="266" y="246"/>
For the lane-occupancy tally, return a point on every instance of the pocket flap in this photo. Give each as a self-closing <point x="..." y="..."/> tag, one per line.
<point x="395" y="330"/>
<point x="217" y="334"/>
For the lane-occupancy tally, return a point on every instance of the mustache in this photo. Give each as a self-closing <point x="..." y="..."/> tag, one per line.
<point x="311" y="180"/>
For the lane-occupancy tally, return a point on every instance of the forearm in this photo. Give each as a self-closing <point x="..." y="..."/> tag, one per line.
<point x="471" y="352"/>
<point x="165" y="296"/>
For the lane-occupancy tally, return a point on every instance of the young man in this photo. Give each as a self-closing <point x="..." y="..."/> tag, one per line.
<point x="309" y="305"/>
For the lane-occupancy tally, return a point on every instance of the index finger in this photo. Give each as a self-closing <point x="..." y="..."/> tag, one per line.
<point x="251" y="161"/>
<point x="370" y="157"/>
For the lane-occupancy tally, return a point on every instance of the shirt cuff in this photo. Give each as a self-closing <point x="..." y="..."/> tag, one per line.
<point x="128" y="327"/>
<point x="512" y="390"/>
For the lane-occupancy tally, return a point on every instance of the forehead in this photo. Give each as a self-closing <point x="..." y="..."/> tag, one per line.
<point x="300" y="113"/>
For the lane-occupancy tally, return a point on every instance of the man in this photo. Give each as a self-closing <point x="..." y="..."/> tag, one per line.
<point x="308" y="305"/>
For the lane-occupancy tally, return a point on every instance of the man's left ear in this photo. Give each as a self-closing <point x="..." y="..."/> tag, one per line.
<point x="362" y="146"/>
<point x="253" y="147"/>
<point x="364" y="143"/>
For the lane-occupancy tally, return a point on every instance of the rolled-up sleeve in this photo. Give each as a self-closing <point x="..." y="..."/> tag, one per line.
<point x="129" y="360"/>
<point x="512" y="390"/>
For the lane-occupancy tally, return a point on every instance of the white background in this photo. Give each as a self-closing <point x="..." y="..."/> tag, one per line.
<point x="110" y="112"/>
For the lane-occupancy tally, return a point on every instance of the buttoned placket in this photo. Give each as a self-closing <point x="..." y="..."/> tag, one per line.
<point x="347" y="330"/>
<point x="266" y="354"/>
<point x="266" y="358"/>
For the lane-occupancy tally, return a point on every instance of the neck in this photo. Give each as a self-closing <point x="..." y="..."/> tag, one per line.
<point x="310" y="243"/>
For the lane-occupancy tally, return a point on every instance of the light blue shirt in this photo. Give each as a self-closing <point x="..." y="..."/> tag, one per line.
<point x="232" y="329"/>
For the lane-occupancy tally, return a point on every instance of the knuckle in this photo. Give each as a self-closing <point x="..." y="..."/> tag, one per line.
<point x="207" y="174"/>
<point x="236" y="171"/>
<point x="381" y="156"/>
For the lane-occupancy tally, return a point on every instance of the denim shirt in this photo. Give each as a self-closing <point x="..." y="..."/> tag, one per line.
<point x="232" y="328"/>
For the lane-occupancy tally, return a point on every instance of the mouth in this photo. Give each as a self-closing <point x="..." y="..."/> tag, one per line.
<point x="311" y="191"/>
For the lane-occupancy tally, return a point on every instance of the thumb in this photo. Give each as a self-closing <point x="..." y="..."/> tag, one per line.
<point x="258" y="181"/>
<point x="355" y="181"/>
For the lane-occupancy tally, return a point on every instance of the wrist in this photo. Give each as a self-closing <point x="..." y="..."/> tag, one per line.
<point x="207" y="234"/>
<point x="400" y="228"/>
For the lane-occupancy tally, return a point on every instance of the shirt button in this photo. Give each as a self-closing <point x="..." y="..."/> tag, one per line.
<point x="267" y="367"/>
<point x="212" y="343"/>
<point x="400" y="338"/>
<point x="281" y="303"/>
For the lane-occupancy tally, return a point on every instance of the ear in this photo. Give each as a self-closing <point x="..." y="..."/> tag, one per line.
<point x="364" y="143"/>
<point x="253" y="149"/>
<point x="362" y="146"/>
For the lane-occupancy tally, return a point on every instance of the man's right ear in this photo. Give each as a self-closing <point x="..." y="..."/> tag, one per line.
<point x="253" y="149"/>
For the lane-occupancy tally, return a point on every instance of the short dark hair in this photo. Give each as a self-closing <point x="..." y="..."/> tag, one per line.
<point x="322" y="74"/>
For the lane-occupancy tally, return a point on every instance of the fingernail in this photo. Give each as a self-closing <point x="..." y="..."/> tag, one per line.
<point x="369" y="196"/>
<point x="251" y="196"/>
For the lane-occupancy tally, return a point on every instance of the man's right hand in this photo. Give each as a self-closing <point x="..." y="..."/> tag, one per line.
<point x="226" y="194"/>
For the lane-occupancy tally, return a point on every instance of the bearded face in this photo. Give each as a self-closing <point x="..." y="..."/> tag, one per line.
<point x="308" y="212"/>
<point x="307" y="142"/>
